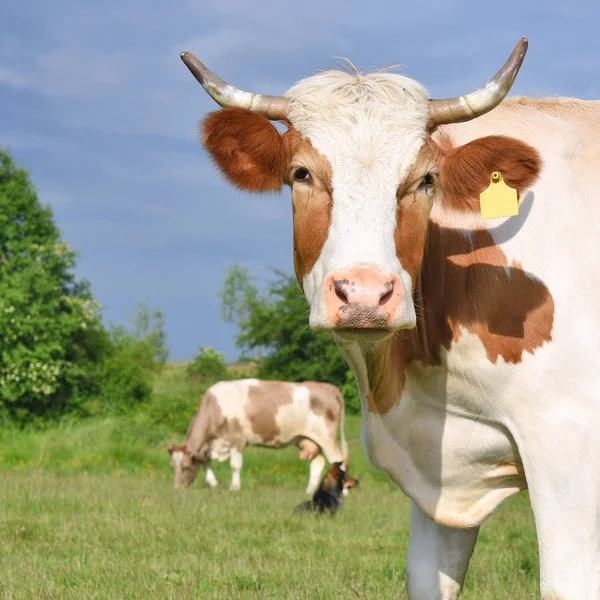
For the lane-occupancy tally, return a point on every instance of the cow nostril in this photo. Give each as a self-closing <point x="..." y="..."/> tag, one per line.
<point x="341" y="296"/>
<point x="339" y="291"/>
<point x="386" y="297"/>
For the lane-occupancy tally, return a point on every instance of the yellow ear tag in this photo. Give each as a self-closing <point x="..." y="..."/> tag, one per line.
<point x="499" y="200"/>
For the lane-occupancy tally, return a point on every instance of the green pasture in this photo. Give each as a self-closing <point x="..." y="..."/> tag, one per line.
<point x="88" y="511"/>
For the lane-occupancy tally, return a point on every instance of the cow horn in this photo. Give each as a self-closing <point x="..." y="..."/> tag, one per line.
<point x="475" y="104"/>
<point x="274" y="108"/>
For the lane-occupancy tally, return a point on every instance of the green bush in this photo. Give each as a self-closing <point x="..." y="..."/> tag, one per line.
<point x="208" y="366"/>
<point x="131" y="358"/>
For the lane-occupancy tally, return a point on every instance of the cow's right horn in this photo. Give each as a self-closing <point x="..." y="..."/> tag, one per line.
<point x="477" y="103"/>
<point x="274" y="108"/>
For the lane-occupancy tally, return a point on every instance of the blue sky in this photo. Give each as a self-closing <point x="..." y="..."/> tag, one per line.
<point x="95" y="101"/>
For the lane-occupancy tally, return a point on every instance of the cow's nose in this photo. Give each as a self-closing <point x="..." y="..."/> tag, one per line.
<point x="376" y="292"/>
<point x="362" y="299"/>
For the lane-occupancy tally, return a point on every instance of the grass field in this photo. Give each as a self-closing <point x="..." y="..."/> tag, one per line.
<point x="88" y="511"/>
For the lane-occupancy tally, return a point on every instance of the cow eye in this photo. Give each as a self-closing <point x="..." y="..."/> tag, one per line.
<point x="427" y="184"/>
<point x="301" y="175"/>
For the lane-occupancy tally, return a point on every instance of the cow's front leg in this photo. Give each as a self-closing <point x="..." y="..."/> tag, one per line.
<point x="316" y="468"/>
<point x="561" y="467"/>
<point x="211" y="480"/>
<point x="438" y="558"/>
<point x="236" y="460"/>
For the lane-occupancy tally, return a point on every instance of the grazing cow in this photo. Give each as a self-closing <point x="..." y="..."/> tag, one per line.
<point x="274" y="414"/>
<point x="475" y="343"/>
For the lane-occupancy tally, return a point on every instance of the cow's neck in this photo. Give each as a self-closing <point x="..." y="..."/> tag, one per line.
<point x="197" y="432"/>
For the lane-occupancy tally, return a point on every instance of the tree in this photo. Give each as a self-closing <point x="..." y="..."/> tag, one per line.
<point x="149" y="330"/>
<point x="122" y="377"/>
<point x="208" y="366"/>
<point x="276" y="322"/>
<point x="49" y="321"/>
<point x="239" y="299"/>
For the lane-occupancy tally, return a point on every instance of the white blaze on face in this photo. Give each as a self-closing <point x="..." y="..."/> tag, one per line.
<point x="177" y="464"/>
<point x="370" y="128"/>
<point x="177" y="458"/>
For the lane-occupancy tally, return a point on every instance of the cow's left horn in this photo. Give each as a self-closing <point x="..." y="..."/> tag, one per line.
<point x="273" y="107"/>
<point x="475" y="104"/>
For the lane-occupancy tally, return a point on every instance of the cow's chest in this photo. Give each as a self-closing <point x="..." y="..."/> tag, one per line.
<point x="456" y="464"/>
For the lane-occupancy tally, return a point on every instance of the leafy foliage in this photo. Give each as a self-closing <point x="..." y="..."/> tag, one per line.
<point x="56" y="357"/>
<point x="49" y="322"/>
<point x="276" y="322"/>
<point x="208" y="366"/>
<point x="131" y="359"/>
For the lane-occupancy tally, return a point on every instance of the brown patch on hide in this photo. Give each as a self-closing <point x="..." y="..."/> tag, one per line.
<point x="325" y="400"/>
<point x="264" y="401"/>
<point x="311" y="203"/>
<point x="412" y="212"/>
<point x="236" y="434"/>
<point x="465" y="283"/>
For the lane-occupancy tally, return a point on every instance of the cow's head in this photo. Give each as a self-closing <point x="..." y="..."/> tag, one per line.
<point x="185" y="465"/>
<point x="365" y="173"/>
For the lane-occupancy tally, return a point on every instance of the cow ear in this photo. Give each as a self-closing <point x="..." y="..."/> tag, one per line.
<point x="246" y="148"/>
<point x="199" y="458"/>
<point x="466" y="171"/>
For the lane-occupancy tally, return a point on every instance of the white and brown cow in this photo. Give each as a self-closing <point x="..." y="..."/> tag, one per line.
<point x="475" y="343"/>
<point x="274" y="414"/>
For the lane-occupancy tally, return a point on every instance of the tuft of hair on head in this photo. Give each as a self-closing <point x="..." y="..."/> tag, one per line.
<point x="347" y="66"/>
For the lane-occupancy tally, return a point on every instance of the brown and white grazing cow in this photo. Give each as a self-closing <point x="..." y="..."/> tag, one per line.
<point x="274" y="414"/>
<point x="475" y="343"/>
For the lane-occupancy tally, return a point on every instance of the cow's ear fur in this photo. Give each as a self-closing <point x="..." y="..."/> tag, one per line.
<point x="199" y="458"/>
<point x="466" y="171"/>
<point x="246" y="148"/>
